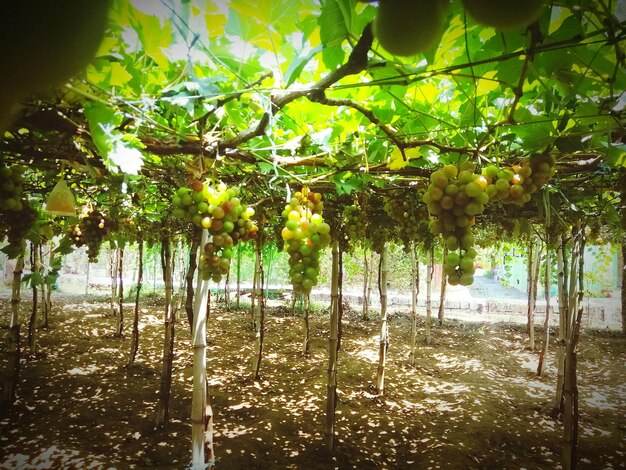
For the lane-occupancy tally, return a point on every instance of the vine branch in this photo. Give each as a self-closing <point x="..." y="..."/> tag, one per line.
<point x="391" y="133"/>
<point x="357" y="62"/>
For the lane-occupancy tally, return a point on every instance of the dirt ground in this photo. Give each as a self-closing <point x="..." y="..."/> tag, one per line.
<point x="473" y="401"/>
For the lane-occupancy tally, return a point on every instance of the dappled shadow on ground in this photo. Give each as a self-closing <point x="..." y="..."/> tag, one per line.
<point x="473" y="401"/>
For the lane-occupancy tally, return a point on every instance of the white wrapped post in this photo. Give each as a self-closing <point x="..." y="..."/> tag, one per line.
<point x="199" y="397"/>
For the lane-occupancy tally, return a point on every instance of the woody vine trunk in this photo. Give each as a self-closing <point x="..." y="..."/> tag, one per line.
<point x="45" y="293"/>
<point x="189" y="277"/>
<point x="429" y="290"/>
<point x="546" y="322"/>
<point x="13" y="348"/>
<point x="168" y="342"/>
<point x="339" y="298"/>
<point x="113" y="270"/>
<point x="120" y="291"/>
<point x="34" y="282"/>
<point x="333" y="340"/>
<point x="370" y="281"/>
<point x="442" y="292"/>
<point x="43" y="299"/>
<point x="414" y="294"/>
<point x="238" y="301"/>
<point x="134" y="345"/>
<point x="255" y="280"/>
<point x="307" y="328"/>
<point x="366" y="275"/>
<point x="270" y="265"/>
<point x="530" y="327"/>
<point x="227" y="291"/>
<point x="259" y="311"/>
<point x="383" y="343"/>
<point x="534" y="263"/>
<point x="624" y="286"/>
<point x="570" y="387"/>
<point x="547" y="283"/>
<point x="560" y="358"/>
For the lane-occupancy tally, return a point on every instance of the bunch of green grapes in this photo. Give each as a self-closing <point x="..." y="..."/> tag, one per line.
<point x="305" y="233"/>
<point x="459" y="266"/>
<point x="407" y="211"/>
<point x="269" y="225"/>
<point x="91" y="230"/>
<point x="543" y="168"/>
<point x="11" y="188"/>
<point x="354" y="220"/>
<point x="509" y="185"/>
<point x="192" y="204"/>
<point x="379" y="227"/>
<point x="228" y="221"/>
<point x="21" y="225"/>
<point x="210" y="206"/>
<point x="515" y="184"/>
<point x="455" y="198"/>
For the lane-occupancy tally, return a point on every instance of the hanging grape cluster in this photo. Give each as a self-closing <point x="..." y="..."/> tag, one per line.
<point x="515" y="184"/>
<point x="210" y="206"/>
<point x="408" y="214"/>
<point x="13" y="223"/>
<point x="21" y="225"/>
<point x="218" y="209"/>
<point x="11" y="178"/>
<point x="354" y="222"/>
<point x="455" y="198"/>
<point x="91" y="230"/>
<point x="192" y="204"/>
<point x="305" y="233"/>
<point x="269" y="225"/>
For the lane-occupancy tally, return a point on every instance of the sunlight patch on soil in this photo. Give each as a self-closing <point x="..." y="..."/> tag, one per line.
<point x="449" y="362"/>
<point x="54" y="458"/>
<point x="602" y="401"/>
<point x="527" y="361"/>
<point x="82" y="371"/>
<point x="368" y="354"/>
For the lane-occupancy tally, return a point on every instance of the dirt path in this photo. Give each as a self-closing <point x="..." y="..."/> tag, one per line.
<point x="473" y="401"/>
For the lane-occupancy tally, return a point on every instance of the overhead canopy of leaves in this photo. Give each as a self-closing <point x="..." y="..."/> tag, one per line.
<point x="274" y="93"/>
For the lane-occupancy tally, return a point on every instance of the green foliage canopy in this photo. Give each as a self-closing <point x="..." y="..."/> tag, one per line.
<point x="273" y="93"/>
